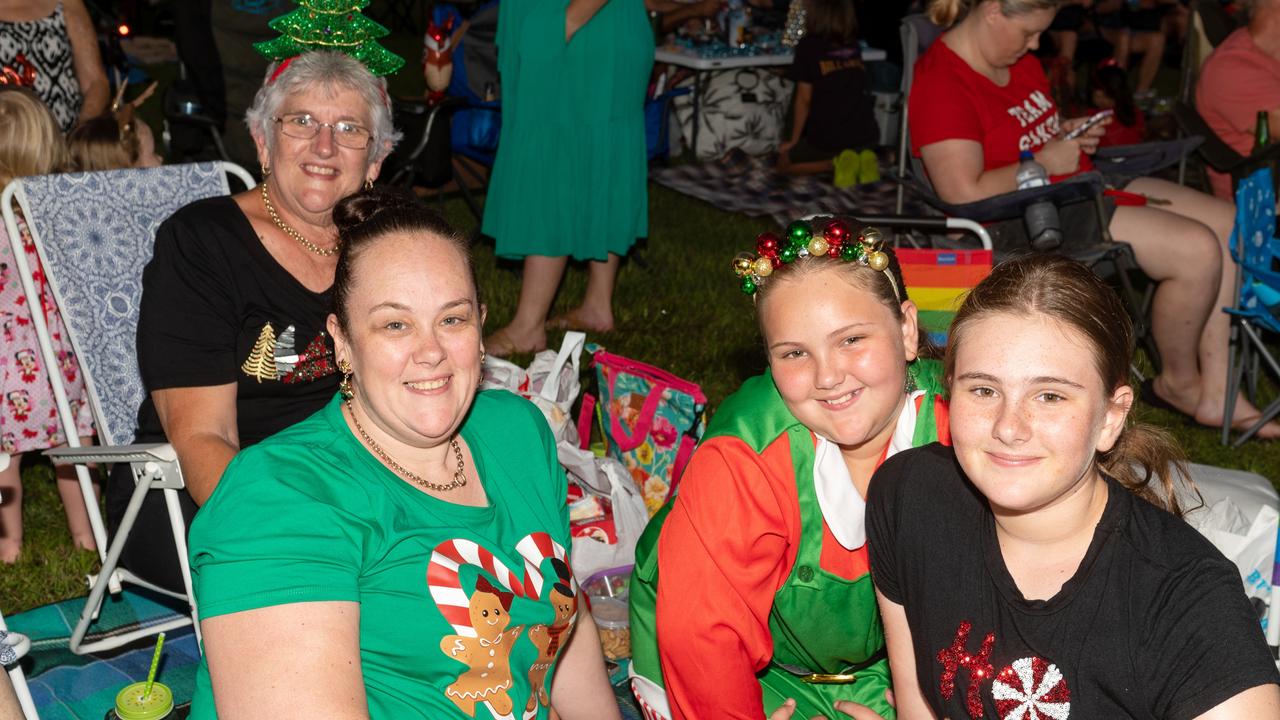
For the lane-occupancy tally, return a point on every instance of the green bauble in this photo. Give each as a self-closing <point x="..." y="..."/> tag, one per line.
<point x="748" y="285"/>
<point x="849" y="252"/>
<point x="789" y="254"/>
<point x="798" y="234"/>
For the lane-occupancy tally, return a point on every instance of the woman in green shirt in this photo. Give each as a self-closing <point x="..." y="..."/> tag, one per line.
<point x="401" y="553"/>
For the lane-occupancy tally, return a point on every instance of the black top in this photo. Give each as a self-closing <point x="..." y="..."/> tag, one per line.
<point x="842" y="112"/>
<point x="1154" y="623"/>
<point x="217" y="308"/>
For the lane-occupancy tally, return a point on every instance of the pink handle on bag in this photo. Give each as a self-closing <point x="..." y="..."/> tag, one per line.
<point x="584" y="421"/>
<point x="649" y="372"/>
<point x="644" y="423"/>
<point x="687" y="444"/>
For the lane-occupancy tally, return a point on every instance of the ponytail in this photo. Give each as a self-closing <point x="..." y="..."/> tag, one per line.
<point x="1145" y="455"/>
<point x="945" y="13"/>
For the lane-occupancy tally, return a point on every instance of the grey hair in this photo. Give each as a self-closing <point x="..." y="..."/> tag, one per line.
<point x="328" y="70"/>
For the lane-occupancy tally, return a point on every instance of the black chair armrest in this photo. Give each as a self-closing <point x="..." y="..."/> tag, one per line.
<point x="1078" y="188"/>
<point x="1144" y="158"/>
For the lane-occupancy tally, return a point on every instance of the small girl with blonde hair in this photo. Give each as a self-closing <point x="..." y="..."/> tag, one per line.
<point x="31" y="144"/>
<point x="115" y="139"/>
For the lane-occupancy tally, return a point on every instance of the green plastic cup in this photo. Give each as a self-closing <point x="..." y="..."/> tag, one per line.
<point x="132" y="703"/>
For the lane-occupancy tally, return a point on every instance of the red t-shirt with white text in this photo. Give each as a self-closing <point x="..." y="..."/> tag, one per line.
<point x="951" y="101"/>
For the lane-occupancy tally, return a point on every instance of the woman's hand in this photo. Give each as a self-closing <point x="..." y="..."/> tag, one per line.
<point x="844" y="707"/>
<point x="1088" y="141"/>
<point x="1060" y="156"/>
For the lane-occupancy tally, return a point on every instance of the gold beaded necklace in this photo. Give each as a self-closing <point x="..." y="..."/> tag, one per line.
<point x="459" y="475"/>
<point x="287" y="230"/>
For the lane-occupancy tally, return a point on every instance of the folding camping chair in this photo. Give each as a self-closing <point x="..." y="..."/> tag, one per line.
<point x="94" y="233"/>
<point x="13" y="646"/>
<point x="1255" y="248"/>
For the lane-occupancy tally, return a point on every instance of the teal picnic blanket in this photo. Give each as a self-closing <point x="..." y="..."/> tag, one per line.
<point x="66" y="686"/>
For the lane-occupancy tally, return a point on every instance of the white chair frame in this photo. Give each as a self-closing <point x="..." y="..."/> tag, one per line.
<point x="154" y="466"/>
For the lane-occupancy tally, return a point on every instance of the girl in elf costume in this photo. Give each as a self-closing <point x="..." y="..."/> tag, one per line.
<point x="765" y="603"/>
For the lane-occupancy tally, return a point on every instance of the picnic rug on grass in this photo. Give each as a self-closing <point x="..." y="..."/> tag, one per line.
<point x="749" y="185"/>
<point x="66" y="686"/>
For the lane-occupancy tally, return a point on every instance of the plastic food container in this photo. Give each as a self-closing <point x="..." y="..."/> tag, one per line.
<point x="614" y="624"/>
<point x="609" y="583"/>
<point x="607" y="592"/>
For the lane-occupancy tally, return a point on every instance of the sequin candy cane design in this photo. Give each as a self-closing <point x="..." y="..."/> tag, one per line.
<point x="1031" y="689"/>
<point x="446" y="588"/>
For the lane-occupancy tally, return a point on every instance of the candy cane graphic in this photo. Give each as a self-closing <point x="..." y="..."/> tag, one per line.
<point x="445" y="586"/>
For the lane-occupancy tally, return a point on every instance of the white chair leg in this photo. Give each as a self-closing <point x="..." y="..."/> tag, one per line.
<point x="179" y="525"/>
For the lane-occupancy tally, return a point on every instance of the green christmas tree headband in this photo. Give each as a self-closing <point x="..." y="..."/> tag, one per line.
<point x="337" y="25"/>
<point x="834" y="241"/>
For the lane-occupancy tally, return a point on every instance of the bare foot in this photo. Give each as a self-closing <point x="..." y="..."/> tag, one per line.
<point x="509" y="341"/>
<point x="9" y="551"/>
<point x="1243" y="418"/>
<point x="85" y="542"/>
<point x="1182" y="399"/>
<point x="583" y="319"/>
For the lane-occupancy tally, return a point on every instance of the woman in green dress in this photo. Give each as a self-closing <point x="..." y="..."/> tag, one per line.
<point x="569" y="178"/>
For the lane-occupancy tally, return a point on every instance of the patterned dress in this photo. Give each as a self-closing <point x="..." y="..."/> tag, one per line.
<point x="28" y="414"/>
<point x="45" y="44"/>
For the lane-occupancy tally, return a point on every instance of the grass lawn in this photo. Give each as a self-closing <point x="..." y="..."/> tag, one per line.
<point x="678" y="307"/>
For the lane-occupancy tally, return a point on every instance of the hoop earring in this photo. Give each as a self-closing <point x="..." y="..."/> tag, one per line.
<point x="344" y="387"/>
<point x="368" y="184"/>
<point x="266" y="170"/>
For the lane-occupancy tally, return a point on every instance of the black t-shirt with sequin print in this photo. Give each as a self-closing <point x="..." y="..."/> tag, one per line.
<point x="1153" y="624"/>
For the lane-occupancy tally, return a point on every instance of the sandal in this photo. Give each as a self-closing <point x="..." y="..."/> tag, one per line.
<point x="500" y="344"/>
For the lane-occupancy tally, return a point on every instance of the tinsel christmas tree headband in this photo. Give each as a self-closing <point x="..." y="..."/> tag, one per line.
<point x="337" y="25"/>
<point x="834" y="240"/>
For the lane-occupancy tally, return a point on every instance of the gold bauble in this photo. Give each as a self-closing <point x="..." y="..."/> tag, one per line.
<point x="763" y="267"/>
<point x="742" y="264"/>
<point x="818" y="246"/>
<point x="872" y="237"/>
<point x="878" y="260"/>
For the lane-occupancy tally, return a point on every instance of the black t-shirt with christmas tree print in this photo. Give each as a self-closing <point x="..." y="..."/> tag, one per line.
<point x="218" y="309"/>
<point x="1153" y="624"/>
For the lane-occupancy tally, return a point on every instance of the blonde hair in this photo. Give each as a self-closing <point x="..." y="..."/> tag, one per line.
<point x="1064" y="290"/>
<point x="945" y="13"/>
<point x="102" y="143"/>
<point x="30" y="141"/>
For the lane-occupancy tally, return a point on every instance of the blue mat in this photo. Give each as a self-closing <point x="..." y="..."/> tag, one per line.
<point x="66" y="686"/>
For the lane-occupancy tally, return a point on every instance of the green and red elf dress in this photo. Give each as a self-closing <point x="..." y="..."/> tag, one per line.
<point x="766" y="583"/>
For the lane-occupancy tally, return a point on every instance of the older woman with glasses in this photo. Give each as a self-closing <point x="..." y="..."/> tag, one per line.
<point x="231" y="341"/>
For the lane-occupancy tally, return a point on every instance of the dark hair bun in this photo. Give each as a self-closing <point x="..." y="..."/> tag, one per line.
<point x="355" y="210"/>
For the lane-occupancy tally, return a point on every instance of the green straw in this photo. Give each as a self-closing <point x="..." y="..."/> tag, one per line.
<point x="155" y="662"/>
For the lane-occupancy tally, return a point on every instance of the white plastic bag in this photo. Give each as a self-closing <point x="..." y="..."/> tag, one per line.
<point x="607" y="477"/>
<point x="552" y="382"/>
<point x="1240" y="518"/>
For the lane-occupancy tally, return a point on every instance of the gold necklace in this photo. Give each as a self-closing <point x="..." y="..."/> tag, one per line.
<point x="275" y="218"/>
<point x="459" y="475"/>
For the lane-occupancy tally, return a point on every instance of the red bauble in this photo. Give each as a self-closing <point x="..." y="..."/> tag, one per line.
<point x="836" y="232"/>
<point x="767" y="245"/>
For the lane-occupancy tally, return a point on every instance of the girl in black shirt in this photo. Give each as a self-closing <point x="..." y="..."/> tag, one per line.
<point x="1039" y="569"/>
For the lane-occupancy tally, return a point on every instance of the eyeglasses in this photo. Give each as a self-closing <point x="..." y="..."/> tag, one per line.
<point x="304" y="127"/>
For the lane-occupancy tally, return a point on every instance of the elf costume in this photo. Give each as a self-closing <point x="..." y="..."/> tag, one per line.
<point x="767" y="591"/>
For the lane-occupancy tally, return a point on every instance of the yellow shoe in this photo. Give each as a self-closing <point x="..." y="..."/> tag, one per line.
<point x="868" y="167"/>
<point x="847" y="166"/>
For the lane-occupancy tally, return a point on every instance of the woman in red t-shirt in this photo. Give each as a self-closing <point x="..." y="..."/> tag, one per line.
<point x="979" y="99"/>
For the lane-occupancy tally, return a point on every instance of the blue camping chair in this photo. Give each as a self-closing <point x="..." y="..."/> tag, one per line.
<point x="1255" y="249"/>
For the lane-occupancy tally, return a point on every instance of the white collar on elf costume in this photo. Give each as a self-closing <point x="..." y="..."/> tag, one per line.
<point x="843" y="508"/>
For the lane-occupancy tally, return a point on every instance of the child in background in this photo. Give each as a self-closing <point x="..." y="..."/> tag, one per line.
<point x="115" y="139"/>
<point x="834" y="125"/>
<point x="1110" y="90"/>
<point x="31" y="144"/>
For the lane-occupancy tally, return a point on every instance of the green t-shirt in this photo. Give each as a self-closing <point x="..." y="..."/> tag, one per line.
<point x="310" y="515"/>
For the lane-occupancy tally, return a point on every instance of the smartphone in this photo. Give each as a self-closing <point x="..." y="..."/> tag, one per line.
<point x="1093" y="120"/>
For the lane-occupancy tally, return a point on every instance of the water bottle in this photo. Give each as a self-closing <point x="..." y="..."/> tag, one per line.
<point x="1044" y="229"/>
<point x="736" y="24"/>
<point x="1031" y="174"/>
